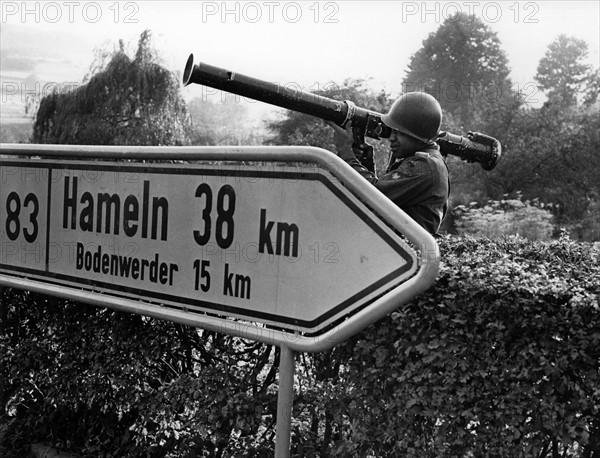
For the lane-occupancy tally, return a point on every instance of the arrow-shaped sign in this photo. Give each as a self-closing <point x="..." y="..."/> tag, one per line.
<point x="282" y="244"/>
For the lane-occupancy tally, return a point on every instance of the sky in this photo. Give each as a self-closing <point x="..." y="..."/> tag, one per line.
<point x="305" y="44"/>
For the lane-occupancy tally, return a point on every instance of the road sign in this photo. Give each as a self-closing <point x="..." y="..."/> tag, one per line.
<point x="281" y="245"/>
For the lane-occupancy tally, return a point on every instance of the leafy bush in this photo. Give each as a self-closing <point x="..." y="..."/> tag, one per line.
<point x="128" y="101"/>
<point x="529" y="219"/>
<point x="111" y="384"/>
<point x="500" y="358"/>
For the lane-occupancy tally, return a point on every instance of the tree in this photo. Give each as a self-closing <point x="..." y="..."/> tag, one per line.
<point x="553" y="149"/>
<point x="592" y="91"/>
<point x="561" y="73"/>
<point x="463" y="66"/>
<point x="553" y="157"/>
<point x="128" y="101"/>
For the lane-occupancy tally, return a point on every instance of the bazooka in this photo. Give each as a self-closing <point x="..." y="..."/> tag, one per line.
<point x="474" y="147"/>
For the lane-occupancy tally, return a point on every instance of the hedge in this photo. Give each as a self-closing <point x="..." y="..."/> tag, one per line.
<point x="500" y="358"/>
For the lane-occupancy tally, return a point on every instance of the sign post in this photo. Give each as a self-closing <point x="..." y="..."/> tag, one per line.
<point x="285" y="402"/>
<point x="282" y="245"/>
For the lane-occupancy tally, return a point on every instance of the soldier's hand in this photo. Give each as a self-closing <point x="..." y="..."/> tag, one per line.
<point x="343" y="140"/>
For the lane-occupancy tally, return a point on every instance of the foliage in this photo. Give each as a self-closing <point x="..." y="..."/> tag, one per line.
<point x="529" y="219"/>
<point x="551" y="153"/>
<point x="130" y="101"/>
<point x="553" y="149"/>
<point x="463" y="66"/>
<point x="113" y="384"/>
<point x="501" y="357"/>
<point x="592" y="90"/>
<point x="562" y="73"/>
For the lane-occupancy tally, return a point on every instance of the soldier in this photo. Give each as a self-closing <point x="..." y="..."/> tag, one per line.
<point x="416" y="179"/>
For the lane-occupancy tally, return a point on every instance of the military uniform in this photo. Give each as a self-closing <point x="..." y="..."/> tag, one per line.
<point x="418" y="184"/>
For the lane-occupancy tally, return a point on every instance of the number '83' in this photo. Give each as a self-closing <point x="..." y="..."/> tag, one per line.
<point x="31" y="206"/>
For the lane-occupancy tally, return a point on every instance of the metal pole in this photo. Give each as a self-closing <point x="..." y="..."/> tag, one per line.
<point x="285" y="401"/>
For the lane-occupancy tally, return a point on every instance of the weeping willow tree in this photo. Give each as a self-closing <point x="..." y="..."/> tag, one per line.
<point x="126" y="101"/>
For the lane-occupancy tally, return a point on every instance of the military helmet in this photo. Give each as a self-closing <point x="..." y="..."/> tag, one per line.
<point x="416" y="114"/>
